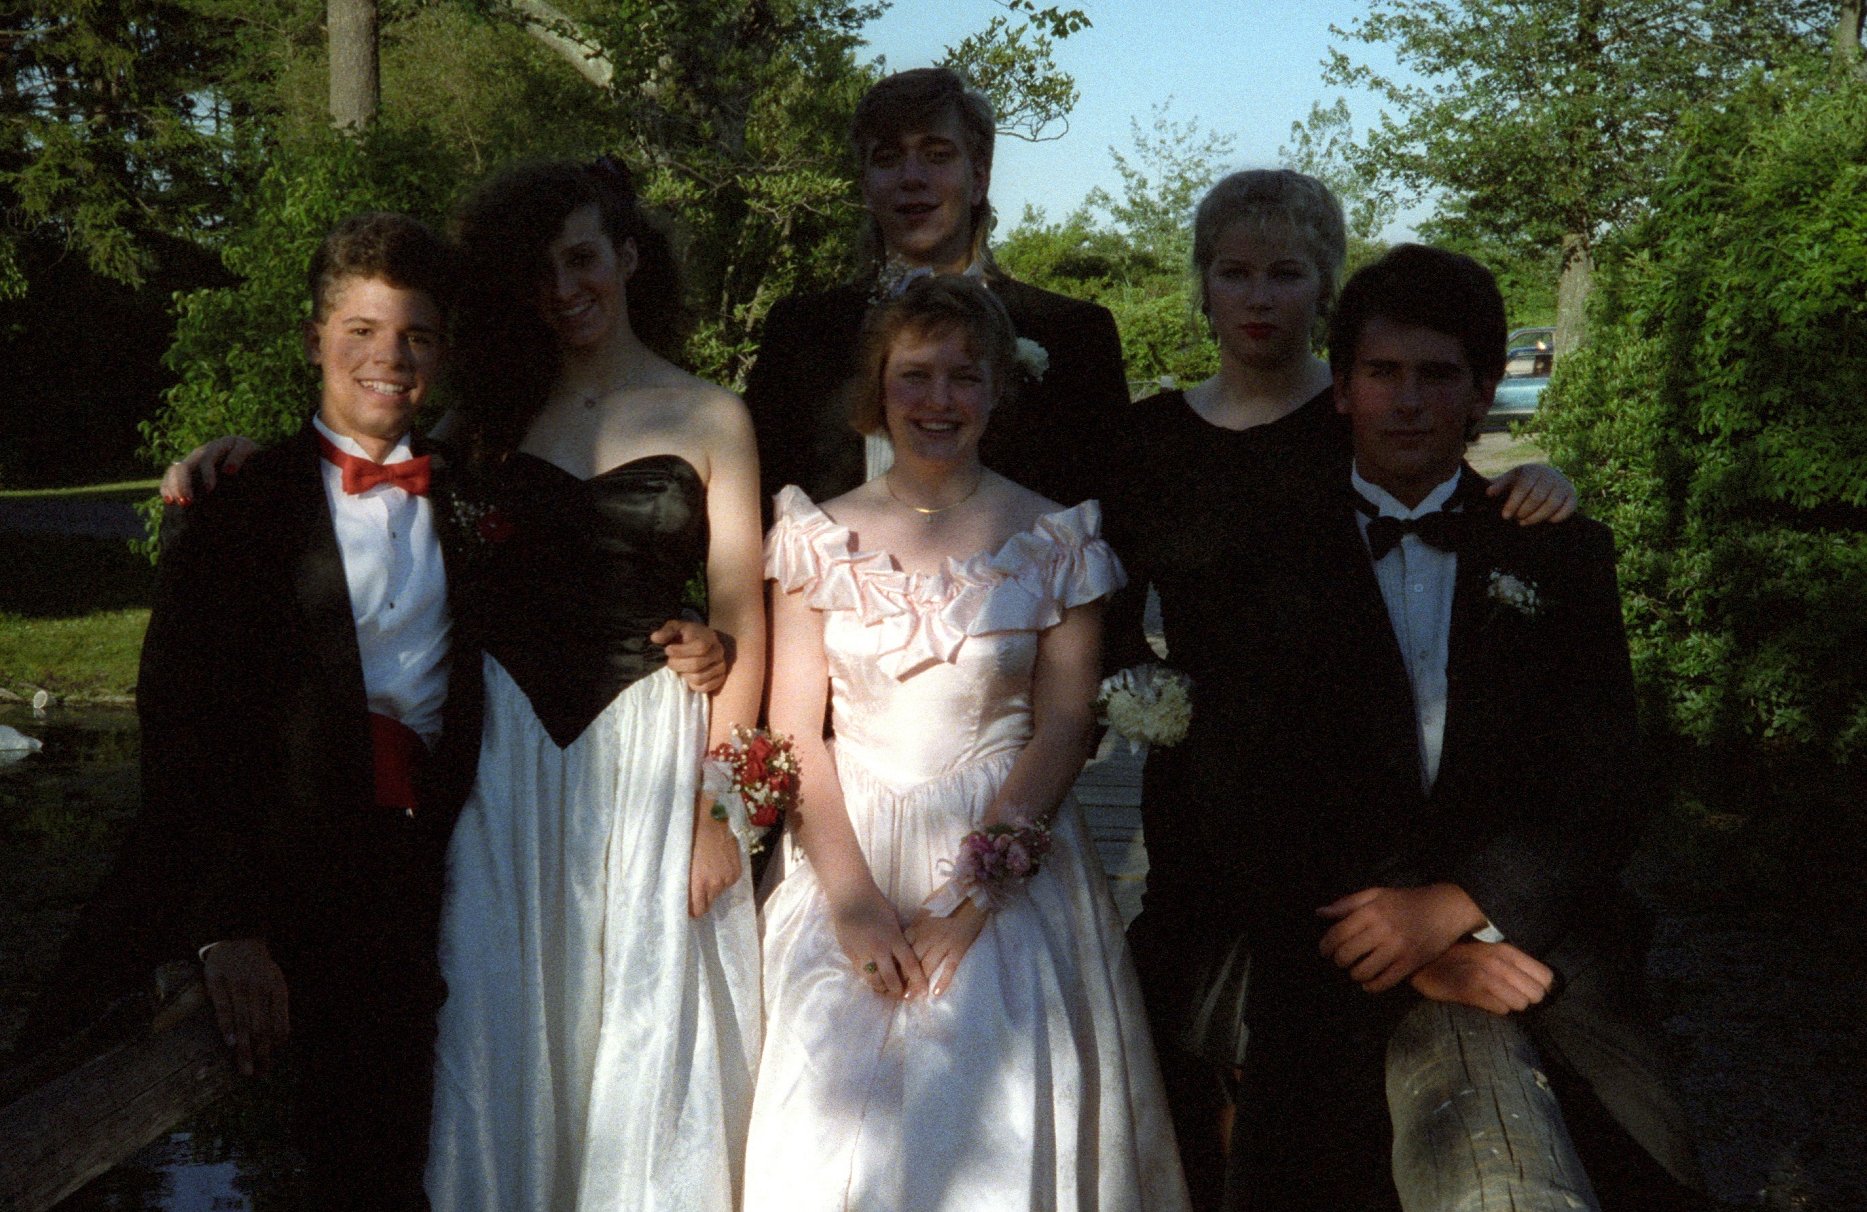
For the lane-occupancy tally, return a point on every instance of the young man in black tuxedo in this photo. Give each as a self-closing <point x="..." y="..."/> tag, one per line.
<point x="310" y="723"/>
<point x="1446" y="812"/>
<point x="923" y="145"/>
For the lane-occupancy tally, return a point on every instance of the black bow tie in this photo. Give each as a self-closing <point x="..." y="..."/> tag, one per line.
<point x="1442" y="529"/>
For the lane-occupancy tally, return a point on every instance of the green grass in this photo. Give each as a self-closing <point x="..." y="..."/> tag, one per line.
<point x="88" y="659"/>
<point x="72" y="614"/>
<point x="1496" y="452"/>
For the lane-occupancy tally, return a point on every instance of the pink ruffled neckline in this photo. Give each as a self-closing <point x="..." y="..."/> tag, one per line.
<point x="1026" y="584"/>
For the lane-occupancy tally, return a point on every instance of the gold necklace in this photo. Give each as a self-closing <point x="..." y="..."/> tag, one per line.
<point x="888" y="482"/>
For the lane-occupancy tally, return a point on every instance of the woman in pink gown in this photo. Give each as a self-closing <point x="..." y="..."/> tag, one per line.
<point x="922" y="1054"/>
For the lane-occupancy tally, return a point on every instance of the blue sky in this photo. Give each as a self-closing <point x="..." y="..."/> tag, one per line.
<point x="1246" y="68"/>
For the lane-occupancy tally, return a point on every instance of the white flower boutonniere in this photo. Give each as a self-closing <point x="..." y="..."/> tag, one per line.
<point x="1147" y="704"/>
<point x="1520" y="595"/>
<point x="1034" y="358"/>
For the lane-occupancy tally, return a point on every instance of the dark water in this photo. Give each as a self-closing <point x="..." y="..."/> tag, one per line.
<point x="1763" y="990"/>
<point x="63" y="811"/>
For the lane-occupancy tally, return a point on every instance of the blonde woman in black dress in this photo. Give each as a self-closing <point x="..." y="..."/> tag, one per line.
<point x="1221" y="460"/>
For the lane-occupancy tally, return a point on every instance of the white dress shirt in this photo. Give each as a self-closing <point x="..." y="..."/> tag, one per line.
<point x="1416" y="582"/>
<point x="398" y="591"/>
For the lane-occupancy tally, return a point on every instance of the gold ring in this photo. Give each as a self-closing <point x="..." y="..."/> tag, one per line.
<point x="871" y="968"/>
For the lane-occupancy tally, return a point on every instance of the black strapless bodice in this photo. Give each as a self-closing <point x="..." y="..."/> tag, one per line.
<point x="582" y="571"/>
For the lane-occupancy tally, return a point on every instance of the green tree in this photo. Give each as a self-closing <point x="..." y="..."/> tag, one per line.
<point x="1011" y="61"/>
<point x="1132" y="253"/>
<point x="1715" y="422"/>
<point x="237" y="353"/>
<point x="734" y="112"/>
<point x="1552" y="120"/>
<point x="1323" y="145"/>
<point x="112" y="133"/>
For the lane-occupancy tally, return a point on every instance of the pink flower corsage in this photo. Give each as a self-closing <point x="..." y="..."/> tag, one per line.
<point x="993" y="863"/>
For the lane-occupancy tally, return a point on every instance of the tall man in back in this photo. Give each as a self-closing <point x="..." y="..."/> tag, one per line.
<point x="923" y="143"/>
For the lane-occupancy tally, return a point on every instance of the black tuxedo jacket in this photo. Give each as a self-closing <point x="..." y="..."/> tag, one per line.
<point x="1538" y="802"/>
<point x="255" y="727"/>
<point x="1049" y="438"/>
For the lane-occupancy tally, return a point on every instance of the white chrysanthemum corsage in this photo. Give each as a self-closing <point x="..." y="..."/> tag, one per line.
<point x="1033" y="358"/>
<point x="1520" y="595"/>
<point x="1148" y="704"/>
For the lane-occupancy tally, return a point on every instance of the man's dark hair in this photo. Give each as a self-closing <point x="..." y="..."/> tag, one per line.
<point x="1432" y="288"/>
<point x="401" y="251"/>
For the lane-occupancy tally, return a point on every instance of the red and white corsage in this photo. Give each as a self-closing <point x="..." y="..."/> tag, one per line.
<point x="753" y="781"/>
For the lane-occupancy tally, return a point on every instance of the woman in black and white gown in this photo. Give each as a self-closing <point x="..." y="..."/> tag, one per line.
<point x="601" y="1031"/>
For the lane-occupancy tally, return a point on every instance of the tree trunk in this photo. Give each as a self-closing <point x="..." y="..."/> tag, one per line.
<point x="1578" y="274"/>
<point x="1848" y="32"/>
<point x="356" y="79"/>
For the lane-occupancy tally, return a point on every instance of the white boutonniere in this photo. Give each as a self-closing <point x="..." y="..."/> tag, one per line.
<point x="1147" y="704"/>
<point x="1520" y="595"/>
<point x="1033" y="358"/>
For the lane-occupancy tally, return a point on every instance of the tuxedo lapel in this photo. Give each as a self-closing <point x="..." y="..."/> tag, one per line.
<point x="1470" y="661"/>
<point x="320" y="590"/>
<point x="1375" y="689"/>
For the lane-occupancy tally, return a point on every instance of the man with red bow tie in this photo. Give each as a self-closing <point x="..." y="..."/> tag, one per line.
<point x="309" y="724"/>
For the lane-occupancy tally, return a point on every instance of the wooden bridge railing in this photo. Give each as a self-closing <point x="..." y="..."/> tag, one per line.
<point x="153" y="1062"/>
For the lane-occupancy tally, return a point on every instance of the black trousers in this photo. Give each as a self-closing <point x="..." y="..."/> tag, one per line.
<point x="364" y="983"/>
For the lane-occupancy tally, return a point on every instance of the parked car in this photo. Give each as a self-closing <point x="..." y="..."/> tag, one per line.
<point x="1526" y="374"/>
<point x="1538" y="338"/>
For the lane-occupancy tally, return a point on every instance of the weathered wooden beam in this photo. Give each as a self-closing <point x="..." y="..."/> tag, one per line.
<point x="1476" y="1126"/>
<point x="67" y="1129"/>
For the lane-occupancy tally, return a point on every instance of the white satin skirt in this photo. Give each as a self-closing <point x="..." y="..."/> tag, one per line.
<point x="1030" y="1084"/>
<point x="598" y="1046"/>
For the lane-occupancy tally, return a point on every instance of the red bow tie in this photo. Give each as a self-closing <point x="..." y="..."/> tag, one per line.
<point x="361" y="475"/>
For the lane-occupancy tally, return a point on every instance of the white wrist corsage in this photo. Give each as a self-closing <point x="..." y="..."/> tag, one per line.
<point x="1148" y="704"/>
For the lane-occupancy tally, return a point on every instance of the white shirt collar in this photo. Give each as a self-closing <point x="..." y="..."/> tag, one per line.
<point x="1389" y="507"/>
<point x="352" y="446"/>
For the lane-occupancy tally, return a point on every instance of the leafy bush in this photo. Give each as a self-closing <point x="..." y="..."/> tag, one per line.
<point x="1716" y="421"/>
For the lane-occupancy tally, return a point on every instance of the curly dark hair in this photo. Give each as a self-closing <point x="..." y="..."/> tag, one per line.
<point x="506" y="356"/>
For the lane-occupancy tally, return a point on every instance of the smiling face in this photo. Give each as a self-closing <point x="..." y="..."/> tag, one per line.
<point x="936" y="396"/>
<point x="583" y="295"/>
<point x="1410" y="396"/>
<point x="1263" y="292"/>
<point x="379" y="350"/>
<point x="921" y="188"/>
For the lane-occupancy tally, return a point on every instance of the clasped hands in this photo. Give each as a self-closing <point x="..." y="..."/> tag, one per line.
<point x="905" y="962"/>
<point x="1383" y="936"/>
